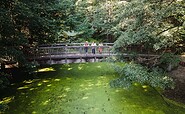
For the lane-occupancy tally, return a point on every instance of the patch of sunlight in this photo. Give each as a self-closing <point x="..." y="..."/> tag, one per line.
<point x="136" y="84"/>
<point x="35" y="88"/>
<point x="45" y="81"/>
<point x="47" y="90"/>
<point x="131" y="106"/>
<point x="107" y="83"/>
<point x="85" y="98"/>
<point x="28" y="82"/>
<point x="67" y="89"/>
<point x="23" y="93"/>
<point x="118" y="90"/>
<point x="34" y="112"/>
<point x="165" y="78"/>
<point x="99" y="83"/>
<point x="32" y="89"/>
<point x="80" y="68"/>
<point x="98" y="66"/>
<point x="62" y="96"/>
<point x="102" y="77"/>
<point x="49" y="85"/>
<point x="57" y="80"/>
<point x="166" y="33"/>
<point x="69" y="68"/>
<point x="39" y="84"/>
<point x="46" y="69"/>
<point x="87" y="88"/>
<point x="67" y="65"/>
<point x="144" y="86"/>
<point x="46" y="102"/>
<point x="145" y="90"/>
<point x="114" y="58"/>
<point x="6" y="100"/>
<point x="68" y="78"/>
<point x="88" y="81"/>
<point x="32" y="102"/>
<point x="24" y="87"/>
<point x="82" y="85"/>
<point x="90" y="85"/>
<point x="13" y="84"/>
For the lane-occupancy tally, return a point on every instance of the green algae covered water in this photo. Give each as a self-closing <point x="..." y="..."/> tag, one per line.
<point x="83" y="89"/>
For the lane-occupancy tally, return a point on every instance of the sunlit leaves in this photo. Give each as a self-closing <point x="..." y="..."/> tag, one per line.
<point x="133" y="73"/>
<point x="148" y="22"/>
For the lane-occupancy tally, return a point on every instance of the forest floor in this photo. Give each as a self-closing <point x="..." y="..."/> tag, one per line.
<point x="178" y="92"/>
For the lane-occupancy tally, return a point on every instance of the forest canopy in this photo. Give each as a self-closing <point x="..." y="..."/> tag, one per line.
<point x="154" y="25"/>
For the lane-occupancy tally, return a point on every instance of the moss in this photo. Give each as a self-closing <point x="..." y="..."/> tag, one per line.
<point x="84" y="89"/>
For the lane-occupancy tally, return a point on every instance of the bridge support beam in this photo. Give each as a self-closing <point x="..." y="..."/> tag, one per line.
<point x="94" y="58"/>
<point x="81" y="59"/>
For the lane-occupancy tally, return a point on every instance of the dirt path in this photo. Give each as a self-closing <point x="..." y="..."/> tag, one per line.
<point x="178" y="93"/>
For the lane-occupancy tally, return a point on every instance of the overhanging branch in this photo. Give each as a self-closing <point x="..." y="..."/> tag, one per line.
<point x="165" y="30"/>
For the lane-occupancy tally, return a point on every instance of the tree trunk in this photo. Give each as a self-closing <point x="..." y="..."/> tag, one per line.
<point x="2" y="66"/>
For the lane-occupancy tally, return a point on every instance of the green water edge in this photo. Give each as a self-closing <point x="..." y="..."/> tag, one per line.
<point x="83" y="89"/>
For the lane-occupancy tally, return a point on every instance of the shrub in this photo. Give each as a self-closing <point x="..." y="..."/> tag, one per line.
<point x="4" y="80"/>
<point x="135" y="73"/>
<point x="169" y="61"/>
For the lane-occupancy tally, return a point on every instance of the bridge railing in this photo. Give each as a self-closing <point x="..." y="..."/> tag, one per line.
<point x="70" y="49"/>
<point x="71" y="44"/>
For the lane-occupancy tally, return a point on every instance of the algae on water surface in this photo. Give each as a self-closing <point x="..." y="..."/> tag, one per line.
<point x="84" y="89"/>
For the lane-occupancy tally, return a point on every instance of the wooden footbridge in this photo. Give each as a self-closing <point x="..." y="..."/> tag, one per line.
<point x="70" y="53"/>
<point x="75" y="53"/>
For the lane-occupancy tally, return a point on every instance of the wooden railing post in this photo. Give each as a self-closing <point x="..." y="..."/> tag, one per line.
<point x="81" y="48"/>
<point x="66" y="53"/>
<point x="109" y="50"/>
<point x="34" y="54"/>
<point x="50" y="54"/>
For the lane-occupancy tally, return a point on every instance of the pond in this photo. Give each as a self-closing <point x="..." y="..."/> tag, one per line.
<point x="83" y="89"/>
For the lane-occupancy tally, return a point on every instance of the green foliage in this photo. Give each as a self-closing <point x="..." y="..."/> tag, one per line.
<point x="154" y="24"/>
<point x="3" y="107"/>
<point x="98" y="18"/>
<point x="4" y="81"/>
<point x="25" y="24"/>
<point x="169" y="59"/>
<point x="132" y="73"/>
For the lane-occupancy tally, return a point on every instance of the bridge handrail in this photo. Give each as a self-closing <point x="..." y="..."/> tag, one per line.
<point x="70" y="44"/>
<point x="74" y="48"/>
<point x="55" y="47"/>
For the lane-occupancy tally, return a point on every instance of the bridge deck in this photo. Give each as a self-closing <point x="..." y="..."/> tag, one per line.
<point x="72" y="56"/>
